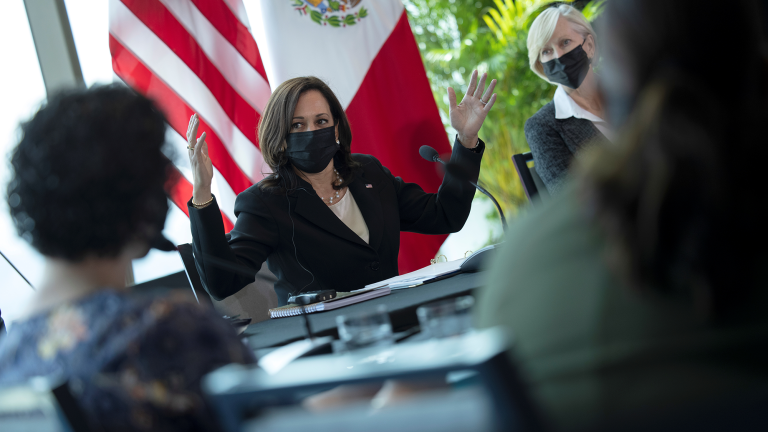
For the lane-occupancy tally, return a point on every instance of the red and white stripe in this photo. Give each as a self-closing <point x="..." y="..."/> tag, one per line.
<point x="197" y="56"/>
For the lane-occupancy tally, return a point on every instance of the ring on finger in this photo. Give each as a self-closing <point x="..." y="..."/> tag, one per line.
<point x="190" y="148"/>
<point x="483" y="102"/>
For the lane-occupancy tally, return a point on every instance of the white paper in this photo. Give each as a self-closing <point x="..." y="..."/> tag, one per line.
<point x="421" y="275"/>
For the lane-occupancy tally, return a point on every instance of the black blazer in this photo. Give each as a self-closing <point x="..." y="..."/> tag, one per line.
<point x="309" y="248"/>
<point x="554" y="142"/>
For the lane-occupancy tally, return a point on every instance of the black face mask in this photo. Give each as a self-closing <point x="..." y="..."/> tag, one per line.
<point x="570" y="69"/>
<point x="312" y="151"/>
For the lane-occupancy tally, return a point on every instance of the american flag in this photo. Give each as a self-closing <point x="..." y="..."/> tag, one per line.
<point x="197" y="56"/>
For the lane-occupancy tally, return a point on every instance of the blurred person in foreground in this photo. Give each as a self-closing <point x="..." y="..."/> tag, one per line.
<point x="643" y="289"/>
<point x="562" y="50"/>
<point x="87" y="193"/>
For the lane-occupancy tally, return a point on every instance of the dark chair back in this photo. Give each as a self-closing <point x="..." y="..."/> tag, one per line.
<point x="253" y="301"/>
<point x="533" y="186"/>
<point x="188" y="258"/>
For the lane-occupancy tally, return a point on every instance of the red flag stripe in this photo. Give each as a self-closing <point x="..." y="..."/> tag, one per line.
<point x="238" y="9"/>
<point x="161" y="22"/>
<point x="168" y="67"/>
<point x="398" y="71"/>
<point x="139" y="77"/>
<point x="179" y="190"/>
<point x="221" y="16"/>
<point x="235" y="68"/>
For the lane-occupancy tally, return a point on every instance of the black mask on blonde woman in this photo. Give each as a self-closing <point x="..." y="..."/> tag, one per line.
<point x="570" y="69"/>
<point x="312" y="151"/>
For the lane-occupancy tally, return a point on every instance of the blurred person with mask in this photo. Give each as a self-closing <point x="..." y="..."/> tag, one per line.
<point x="643" y="288"/>
<point x="87" y="192"/>
<point x="562" y="50"/>
<point x="326" y="218"/>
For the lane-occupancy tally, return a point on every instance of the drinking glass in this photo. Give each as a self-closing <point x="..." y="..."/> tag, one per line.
<point x="365" y="330"/>
<point x="446" y="318"/>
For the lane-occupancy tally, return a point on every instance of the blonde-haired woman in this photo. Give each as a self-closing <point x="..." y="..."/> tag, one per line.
<point x="562" y="48"/>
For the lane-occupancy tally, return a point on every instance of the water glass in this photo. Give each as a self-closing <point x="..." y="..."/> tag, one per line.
<point x="365" y="330"/>
<point x="446" y="318"/>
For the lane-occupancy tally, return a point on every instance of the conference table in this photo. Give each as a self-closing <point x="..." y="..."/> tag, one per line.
<point x="401" y="305"/>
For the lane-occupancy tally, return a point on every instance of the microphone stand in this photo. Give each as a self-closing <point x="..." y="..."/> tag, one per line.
<point x="17" y="270"/>
<point x="457" y="171"/>
<point x="306" y="318"/>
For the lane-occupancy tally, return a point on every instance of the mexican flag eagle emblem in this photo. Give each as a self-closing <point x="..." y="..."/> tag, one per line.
<point x="335" y="13"/>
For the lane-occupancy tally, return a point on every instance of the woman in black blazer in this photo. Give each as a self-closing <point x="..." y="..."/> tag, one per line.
<point x="325" y="218"/>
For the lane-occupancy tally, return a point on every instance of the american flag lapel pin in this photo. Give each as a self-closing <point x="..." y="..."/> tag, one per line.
<point x="368" y="186"/>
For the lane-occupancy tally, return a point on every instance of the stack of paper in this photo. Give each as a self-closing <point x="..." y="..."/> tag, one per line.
<point x="420" y="276"/>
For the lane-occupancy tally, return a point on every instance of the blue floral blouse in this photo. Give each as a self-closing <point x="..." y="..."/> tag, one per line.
<point x="133" y="362"/>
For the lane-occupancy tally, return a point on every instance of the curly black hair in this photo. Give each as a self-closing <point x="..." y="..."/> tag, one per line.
<point x="89" y="174"/>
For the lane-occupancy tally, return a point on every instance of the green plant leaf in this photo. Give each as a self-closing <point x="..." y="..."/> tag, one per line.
<point x="363" y="13"/>
<point x="350" y="20"/>
<point x="316" y="16"/>
<point x="334" y="5"/>
<point x="334" y="21"/>
<point x="593" y="9"/>
<point x="298" y="3"/>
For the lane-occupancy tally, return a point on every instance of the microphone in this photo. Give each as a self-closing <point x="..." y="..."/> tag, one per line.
<point x="458" y="171"/>
<point x="430" y="154"/>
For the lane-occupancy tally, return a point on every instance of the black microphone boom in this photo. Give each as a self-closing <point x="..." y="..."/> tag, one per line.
<point x="459" y="172"/>
<point x="17" y="270"/>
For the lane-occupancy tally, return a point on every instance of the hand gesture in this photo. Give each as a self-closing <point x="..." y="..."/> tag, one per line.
<point x="469" y="115"/>
<point x="202" y="168"/>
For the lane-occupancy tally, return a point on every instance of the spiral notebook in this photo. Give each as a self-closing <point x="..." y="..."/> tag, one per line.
<point x="342" y="299"/>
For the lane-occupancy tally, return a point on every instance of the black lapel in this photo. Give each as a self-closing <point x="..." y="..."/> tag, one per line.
<point x="313" y="209"/>
<point x="367" y="199"/>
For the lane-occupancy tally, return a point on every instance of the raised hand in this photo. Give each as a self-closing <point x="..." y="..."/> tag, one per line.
<point x="468" y="116"/>
<point x="202" y="168"/>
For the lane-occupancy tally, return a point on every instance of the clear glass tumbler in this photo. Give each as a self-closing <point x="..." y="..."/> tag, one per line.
<point x="365" y="330"/>
<point x="446" y="318"/>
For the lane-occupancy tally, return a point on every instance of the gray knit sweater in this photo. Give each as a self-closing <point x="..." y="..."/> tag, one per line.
<point x="554" y="143"/>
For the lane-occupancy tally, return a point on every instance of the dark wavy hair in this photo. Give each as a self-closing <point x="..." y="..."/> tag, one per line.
<point x="275" y="125"/>
<point x="677" y="196"/>
<point x="89" y="174"/>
